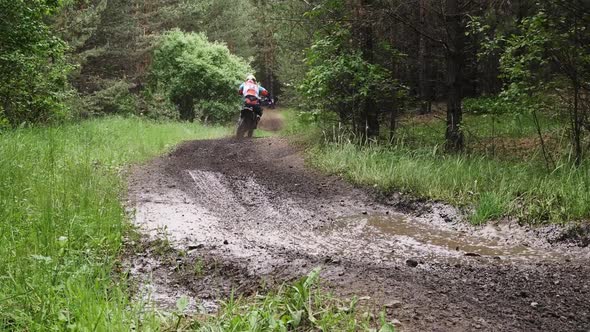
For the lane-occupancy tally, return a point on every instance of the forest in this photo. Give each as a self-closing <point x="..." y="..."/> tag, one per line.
<point x="368" y="62"/>
<point x="481" y="105"/>
<point x="506" y="81"/>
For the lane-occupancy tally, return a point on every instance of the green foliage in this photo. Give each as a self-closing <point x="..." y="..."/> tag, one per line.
<point x="298" y="307"/>
<point x="509" y="101"/>
<point x="551" y="45"/>
<point x="548" y="55"/>
<point x="227" y="21"/>
<point x="62" y="222"/>
<point x="486" y="105"/>
<point x="200" y="77"/>
<point x="290" y="66"/>
<point x="494" y="188"/>
<point x="33" y="69"/>
<point x="157" y="106"/>
<point x="113" y="98"/>
<point x="340" y="79"/>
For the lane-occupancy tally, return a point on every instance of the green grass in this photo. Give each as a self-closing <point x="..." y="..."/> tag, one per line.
<point x="494" y="188"/>
<point x="62" y="221"/>
<point x="301" y="306"/>
<point x="62" y="225"/>
<point x="300" y="127"/>
<point x="480" y="130"/>
<point x="512" y="182"/>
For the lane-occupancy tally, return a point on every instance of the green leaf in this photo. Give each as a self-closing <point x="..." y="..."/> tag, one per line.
<point x="182" y="303"/>
<point x="387" y="328"/>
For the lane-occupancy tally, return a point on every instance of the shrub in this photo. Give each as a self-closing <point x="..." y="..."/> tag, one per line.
<point x="200" y="77"/>
<point x="114" y="98"/>
<point x="486" y="105"/>
<point x="341" y="80"/>
<point x="156" y="106"/>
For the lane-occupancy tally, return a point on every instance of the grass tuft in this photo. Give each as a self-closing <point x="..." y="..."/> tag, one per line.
<point x="301" y="306"/>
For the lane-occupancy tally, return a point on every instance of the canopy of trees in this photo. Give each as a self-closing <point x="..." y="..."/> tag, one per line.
<point x="366" y="61"/>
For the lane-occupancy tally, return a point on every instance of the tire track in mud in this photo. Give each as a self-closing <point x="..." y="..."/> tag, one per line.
<point x="253" y="211"/>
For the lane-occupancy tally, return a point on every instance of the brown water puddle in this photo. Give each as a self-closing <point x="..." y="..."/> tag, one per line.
<point x="417" y="234"/>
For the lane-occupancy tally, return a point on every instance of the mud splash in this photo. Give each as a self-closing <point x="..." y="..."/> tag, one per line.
<point x="272" y="120"/>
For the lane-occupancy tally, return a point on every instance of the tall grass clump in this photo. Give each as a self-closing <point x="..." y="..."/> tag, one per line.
<point x="301" y="306"/>
<point x="62" y="221"/>
<point x="494" y="188"/>
<point x="302" y="127"/>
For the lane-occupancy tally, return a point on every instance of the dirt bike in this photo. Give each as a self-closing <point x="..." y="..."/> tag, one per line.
<point x="247" y="123"/>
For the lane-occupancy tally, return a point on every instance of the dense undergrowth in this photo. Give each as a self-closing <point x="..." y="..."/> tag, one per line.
<point x="503" y="174"/>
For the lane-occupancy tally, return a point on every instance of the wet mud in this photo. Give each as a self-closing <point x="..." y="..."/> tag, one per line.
<point x="247" y="215"/>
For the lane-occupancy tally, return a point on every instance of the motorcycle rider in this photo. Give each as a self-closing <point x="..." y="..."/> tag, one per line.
<point x="252" y="92"/>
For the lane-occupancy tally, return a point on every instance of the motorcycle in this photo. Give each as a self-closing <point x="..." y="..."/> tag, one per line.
<point x="247" y="123"/>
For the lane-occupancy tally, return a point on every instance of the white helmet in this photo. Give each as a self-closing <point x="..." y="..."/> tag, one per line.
<point x="251" y="77"/>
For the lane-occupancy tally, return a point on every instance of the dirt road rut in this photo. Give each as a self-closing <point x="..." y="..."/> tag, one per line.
<point x="240" y="212"/>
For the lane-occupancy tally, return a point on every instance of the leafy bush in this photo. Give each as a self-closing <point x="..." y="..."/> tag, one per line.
<point x="341" y="80"/>
<point x="338" y="75"/>
<point x="157" y="106"/>
<point x="486" y="105"/>
<point x="200" y="77"/>
<point x="114" y="98"/>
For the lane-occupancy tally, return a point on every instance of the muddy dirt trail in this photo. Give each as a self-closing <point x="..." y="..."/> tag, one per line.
<point x="240" y="212"/>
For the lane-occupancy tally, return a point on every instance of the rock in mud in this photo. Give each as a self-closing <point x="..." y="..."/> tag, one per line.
<point x="394" y="304"/>
<point x="331" y="260"/>
<point x="411" y="263"/>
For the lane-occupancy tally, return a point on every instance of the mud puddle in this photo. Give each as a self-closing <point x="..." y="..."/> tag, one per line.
<point x="247" y="215"/>
<point x="414" y="235"/>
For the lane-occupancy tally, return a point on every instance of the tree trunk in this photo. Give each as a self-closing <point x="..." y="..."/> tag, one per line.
<point x="186" y="107"/>
<point x="392" y="123"/>
<point x="454" y="55"/>
<point x="423" y="86"/>
<point x="577" y="128"/>
<point x="369" y="106"/>
<point x="578" y="119"/>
